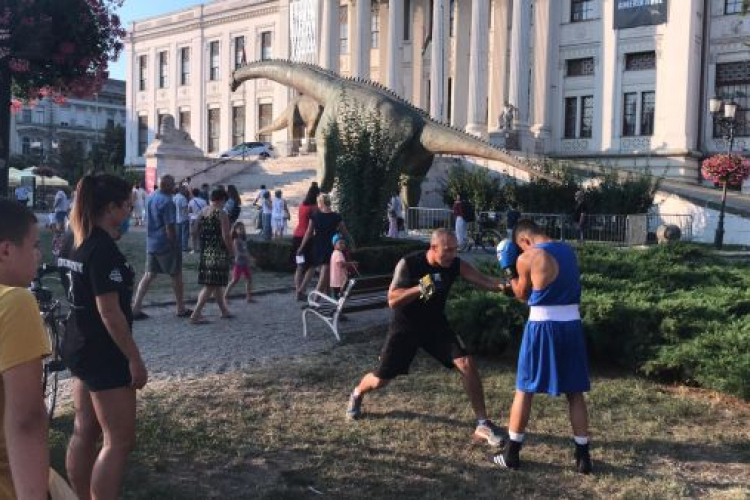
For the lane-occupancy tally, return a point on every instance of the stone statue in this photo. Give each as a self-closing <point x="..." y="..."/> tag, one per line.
<point x="415" y="136"/>
<point x="506" y="117"/>
<point x="169" y="134"/>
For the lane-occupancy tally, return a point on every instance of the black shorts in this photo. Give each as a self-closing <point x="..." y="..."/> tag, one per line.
<point x="401" y="346"/>
<point x="100" y="366"/>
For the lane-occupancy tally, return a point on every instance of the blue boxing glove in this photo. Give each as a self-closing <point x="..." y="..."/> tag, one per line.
<point x="508" y="253"/>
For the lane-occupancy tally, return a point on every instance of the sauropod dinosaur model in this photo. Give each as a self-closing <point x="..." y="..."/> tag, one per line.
<point x="416" y="137"/>
<point x="302" y="109"/>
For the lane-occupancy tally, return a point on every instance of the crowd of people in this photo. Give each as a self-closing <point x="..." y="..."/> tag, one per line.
<point x="106" y="363"/>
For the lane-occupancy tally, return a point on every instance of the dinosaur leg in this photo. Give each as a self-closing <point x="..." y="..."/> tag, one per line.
<point x="326" y="163"/>
<point x="415" y="175"/>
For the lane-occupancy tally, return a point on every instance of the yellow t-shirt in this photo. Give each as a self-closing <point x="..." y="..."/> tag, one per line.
<point x="22" y="339"/>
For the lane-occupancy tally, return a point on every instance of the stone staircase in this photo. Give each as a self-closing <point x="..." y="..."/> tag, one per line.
<point x="292" y="175"/>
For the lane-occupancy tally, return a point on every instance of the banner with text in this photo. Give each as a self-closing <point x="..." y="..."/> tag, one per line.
<point x="633" y="13"/>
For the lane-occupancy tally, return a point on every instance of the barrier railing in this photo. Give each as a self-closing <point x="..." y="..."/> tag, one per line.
<point x="635" y="229"/>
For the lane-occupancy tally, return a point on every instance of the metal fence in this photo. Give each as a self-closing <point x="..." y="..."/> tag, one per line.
<point x="636" y="229"/>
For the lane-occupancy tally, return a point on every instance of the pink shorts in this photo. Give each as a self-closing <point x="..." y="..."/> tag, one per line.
<point x="239" y="271"/>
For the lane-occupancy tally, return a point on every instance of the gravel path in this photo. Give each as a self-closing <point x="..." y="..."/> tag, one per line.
<point x="266" y="330"/>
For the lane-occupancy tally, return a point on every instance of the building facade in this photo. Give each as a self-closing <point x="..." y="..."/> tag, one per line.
<point x="613" y="82"/>
<point x="39" y="130"/>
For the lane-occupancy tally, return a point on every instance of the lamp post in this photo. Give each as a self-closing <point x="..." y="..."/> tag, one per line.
<point x="729" y="121"/>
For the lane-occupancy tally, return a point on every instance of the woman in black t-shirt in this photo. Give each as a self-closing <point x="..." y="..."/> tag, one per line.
<point x="323" y="225"/>
<point x="98" y="347"/>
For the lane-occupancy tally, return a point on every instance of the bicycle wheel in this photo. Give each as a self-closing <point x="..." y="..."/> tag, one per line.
<point x="52" y="365"/>
<point x="488" y="240"/>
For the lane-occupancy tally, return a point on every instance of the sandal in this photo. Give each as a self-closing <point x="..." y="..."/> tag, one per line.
<point x="140" y="315"/>
<point x="198" y="321"/>
<point x="185" y="313"/>
<point x="227" y="316"/>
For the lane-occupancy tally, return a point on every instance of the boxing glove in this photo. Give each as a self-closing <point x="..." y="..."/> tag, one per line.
<point x="426" y="287"/>
<point x="509" y="254"/>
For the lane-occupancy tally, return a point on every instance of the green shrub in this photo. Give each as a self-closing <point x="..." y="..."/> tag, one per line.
<point x="276" y="255"/>
<point x="674" y="312"/>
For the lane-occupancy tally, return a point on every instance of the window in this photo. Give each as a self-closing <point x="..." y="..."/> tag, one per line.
<point x="450" y="100"/>
<point x="265" y="46"/>
<point x="160" y="118"/>
<point x="639" y="61"/>
<point x="213" y="129"/>
<point x="142" y="134"/>
<point x="142" y="72"/>
<point x="238" y="125"/>
<point x="579" y="117"/>
<point x="407" y="20"/>
<point x="26" y="146"/>
<point x="344" y="29"/>
<point x="185" y="66"/>
<point x="630" y="106"/>
<point x="264" y="119"/>
<point x="163" y="70"/>
<point x="587" y="116"/>
<point x="571" y="110"/>
<point x="374" y="26"/>
<point x="110" y="123"/>
<point x="239" y="52"/>
<point x="213" y="59"/>
<point x="733" y="82"/>
<point x="648" y="104"/>
<point x="39" y="115"/>
<point x="579" y="67"/>
<point x="581" y="10"/>
<point x="733" y="7"/>
<point x="26" y="116"/>
<point x="452" y="18"/>
<point x="185" y="121"/>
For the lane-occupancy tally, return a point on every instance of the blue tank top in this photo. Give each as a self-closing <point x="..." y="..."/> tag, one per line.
<point x="566" y="289"/>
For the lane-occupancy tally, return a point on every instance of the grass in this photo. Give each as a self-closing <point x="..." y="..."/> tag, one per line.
<point x="278" y="432"/>
<point x="133" y="245"/>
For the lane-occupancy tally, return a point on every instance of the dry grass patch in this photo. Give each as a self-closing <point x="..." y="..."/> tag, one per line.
<point x="278" y="432"/>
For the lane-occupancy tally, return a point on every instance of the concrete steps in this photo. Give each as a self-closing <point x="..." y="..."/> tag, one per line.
<point x="291" y="175"/>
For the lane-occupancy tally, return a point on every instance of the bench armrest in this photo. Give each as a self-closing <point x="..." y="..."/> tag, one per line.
<point x="311" y="298"/>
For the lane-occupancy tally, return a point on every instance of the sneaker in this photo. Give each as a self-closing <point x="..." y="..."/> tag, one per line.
<point x="354" y="410"/>
<point x="509" y="458"/>
<point x="491" y="433"/>
<point x="583" y="459"/>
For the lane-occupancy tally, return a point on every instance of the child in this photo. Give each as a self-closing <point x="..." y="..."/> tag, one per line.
<point x="23" y="343"/>
<point x="339" y="266"/>
<point x="241" y="262"/>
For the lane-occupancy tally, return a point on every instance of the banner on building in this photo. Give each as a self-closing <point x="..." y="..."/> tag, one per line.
<point x="633" y="13"/>
<point x="303" y="22"/>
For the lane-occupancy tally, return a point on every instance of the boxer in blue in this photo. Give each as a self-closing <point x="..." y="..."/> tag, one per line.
<point x="552" y="358"/>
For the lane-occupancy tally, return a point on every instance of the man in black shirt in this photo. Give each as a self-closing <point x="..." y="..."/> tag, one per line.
<point x="418" y="294"/>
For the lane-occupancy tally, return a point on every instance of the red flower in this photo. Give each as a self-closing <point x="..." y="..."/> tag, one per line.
<point x="723" y="168"/>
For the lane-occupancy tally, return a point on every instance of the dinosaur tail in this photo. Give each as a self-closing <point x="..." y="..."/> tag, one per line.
<point x="442" y="139"/>
<point x="306" y="78"/>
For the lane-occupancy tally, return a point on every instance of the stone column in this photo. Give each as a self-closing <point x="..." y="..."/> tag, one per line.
<point x="437" y="61"/>
<point x="459" y="71"/>
<point x="361" y="53"/>
<point x="395" y="23"/>
<point x="478" y="69"/>
<point x="544" y="63"/>
<point x="329" y="35"/>
<point x="498" y="86"/>
<point x="518" y="91"/>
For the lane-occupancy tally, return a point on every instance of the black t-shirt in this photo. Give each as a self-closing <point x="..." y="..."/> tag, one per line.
<point x="418" y="315"/>
<point x="97" y="267"/>
<point x="326" y="225"/>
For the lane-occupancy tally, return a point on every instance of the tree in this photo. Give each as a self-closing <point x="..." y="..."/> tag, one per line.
<point x="366" y="171"/>
<point x="53" y="48"/>
<point x="108" y="154"/>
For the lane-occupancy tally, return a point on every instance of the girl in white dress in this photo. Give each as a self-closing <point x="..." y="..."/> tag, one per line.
<point x="279" y="215"/>
<point x="139" y="203"/>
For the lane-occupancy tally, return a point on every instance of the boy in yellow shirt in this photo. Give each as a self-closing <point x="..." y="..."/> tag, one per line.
<point x="24" y="455"/>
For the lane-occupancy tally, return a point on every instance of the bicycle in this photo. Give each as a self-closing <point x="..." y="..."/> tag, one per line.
<point x="483" y="234"/>
<point x="54" y="323"/>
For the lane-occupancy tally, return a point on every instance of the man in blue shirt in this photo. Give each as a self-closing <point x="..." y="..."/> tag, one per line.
<point x="163" y="251"/>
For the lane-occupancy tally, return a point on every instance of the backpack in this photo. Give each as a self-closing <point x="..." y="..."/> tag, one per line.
<point x="469" y="213"/>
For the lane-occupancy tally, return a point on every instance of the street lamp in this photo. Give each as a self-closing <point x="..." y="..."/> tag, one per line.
<point x="728" y="119"/>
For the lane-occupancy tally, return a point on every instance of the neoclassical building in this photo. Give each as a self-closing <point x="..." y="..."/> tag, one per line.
<point x="614" y="82"/>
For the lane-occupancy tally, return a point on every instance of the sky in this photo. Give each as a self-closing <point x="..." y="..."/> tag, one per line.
<point x="133" y="10"/>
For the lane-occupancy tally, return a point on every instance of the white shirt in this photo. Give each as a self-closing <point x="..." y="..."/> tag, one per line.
<point x="195" y="206"/>
<point x="278" y="208"/>
<point x="397" y="206"/>
<point x="61" y="202"/>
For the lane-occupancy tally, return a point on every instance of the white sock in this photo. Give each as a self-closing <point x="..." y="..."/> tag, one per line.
<point x="515" y="436"/>
<point x="356" y="393"/>
<point x="581" y="440"/>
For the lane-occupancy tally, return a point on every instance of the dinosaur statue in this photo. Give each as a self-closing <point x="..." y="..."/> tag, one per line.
<point x="301" y="110"/>
<point x="417" y="137"/>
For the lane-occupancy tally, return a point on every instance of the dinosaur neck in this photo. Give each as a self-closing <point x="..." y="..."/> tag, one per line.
<point x="304" y="78"/>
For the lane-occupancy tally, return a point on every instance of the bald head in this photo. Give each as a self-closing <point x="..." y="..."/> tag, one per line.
<point x="443" y="248"/>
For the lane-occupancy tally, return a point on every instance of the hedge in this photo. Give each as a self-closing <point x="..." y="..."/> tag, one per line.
<point x="276" y="255"/>
<point x="674" y="313"/>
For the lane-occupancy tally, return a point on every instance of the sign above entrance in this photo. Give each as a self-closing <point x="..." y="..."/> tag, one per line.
<point x="633" y="13"/>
